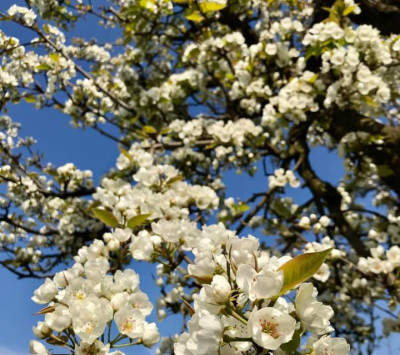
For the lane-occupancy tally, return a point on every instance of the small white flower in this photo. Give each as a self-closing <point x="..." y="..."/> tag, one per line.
<point x="122" y="235"/>
<point x="59" y="319"/>
<point x="219" y="291"/>
<point x="130" y="322"/>
<point x="97" y="348"/>
<point x="204" y="335"/>
<point x="331" y="346"/>
<point x="259" y="285"/>
<point x="313" y="314"/>
<point x="243" y="250"/>
<point x="396" y="46"/>
<point x="304" y="222"/>
<point x="127" y="280"/>
<point x="393" y="255"/>
<point x="150" y="335"/>
<point x="323" y="273"/>
<point x="141" y="246"/>
<point x="236" y="329"/>
<point x="90" y="317"/>
<point x="140" y="301"/>
<point x="203" y="267"/>
<point x="324" y="221"/>
<point x="41" y="330"/>
<point x="37" y="348"/>
<point x="270" y="327"/>
<point x="271" y="49"/>
<point x="46" y="292"/>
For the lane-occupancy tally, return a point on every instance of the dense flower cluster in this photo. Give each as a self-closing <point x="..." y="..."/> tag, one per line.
<point x="240" y="308"/>
<point x="241" y="283"/>
<point x="197" y="90"/>
<point x="85" y="299"/>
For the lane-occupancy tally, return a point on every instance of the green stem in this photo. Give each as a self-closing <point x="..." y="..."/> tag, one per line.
<point x="109" y="331"/>
<point x="229" y="339"/>
<point x="233" y="313"/>
<point x="124" y="345"/>
<point x="118" y="338"/>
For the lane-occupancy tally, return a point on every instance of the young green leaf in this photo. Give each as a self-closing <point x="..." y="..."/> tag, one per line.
<point x="55" y="57"/>
<point x="300" y="268"/>
<point x="349" y="10"/>
<point x="124" y="152"/>
<point x="292" y="345"/>
<point x="106" y="217"/>
<point x="384" y="170"/>
<point x="195" y="16"/>
<point x="174" y="179"/>
<point x="149" y="129"/>
<point x="43" y="67"/>
<point x="211" y="6"/>
<point x="138" y="220"/>
<point x="30" y="99"/>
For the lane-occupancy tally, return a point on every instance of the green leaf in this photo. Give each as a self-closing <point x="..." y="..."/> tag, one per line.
<point x="138" y="220"/>
<point x="6" y="18"/>
<point x="384" y="171"/>
<point x="147" y="4"/>
<point x="300" y="268"/>
<point x="141" y="134"/>
<point x="349" y="10"/>
<point x="312" y="51"/>
<point x="230" y="76"/>
<point x="165" y="130"/>
<point x="92" y="205"/>
<point x="43" y="67"/>
<point x="242" y="207"/>
<point x="106" y="217"/>
<point x="280" y="208"/>
<point x="149" y="129"/>
<point x="211" y="6"/>
<point x="174" y="179"/>
<point x="30" y="99"/>
<point x="292" y="345"/>
<point x="371" y="102"/>
<point x="125" y="153"/>
<point x="313" y="79"/>
<point x="195" y="16"/>
<point x="55" y="57"/>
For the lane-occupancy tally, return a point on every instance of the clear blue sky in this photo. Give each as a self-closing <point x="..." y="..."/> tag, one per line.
<point x="88" y="150"/>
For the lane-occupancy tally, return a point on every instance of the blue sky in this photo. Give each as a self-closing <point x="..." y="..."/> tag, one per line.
<point x="89" y="150"/>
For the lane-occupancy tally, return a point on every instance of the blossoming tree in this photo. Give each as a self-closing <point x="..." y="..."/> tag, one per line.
<point x="195" y="89"/>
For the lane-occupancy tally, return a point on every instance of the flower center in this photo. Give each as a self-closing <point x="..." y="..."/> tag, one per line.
<point x="89" y="326"/>
<point x="91" y="350"/>
<point x="327" y="351"/>
<point x="128" y="325"/>
<point x="80" y="295"/>
<point x="270" y="328"/>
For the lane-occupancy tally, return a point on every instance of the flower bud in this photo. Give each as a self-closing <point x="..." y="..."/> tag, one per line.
<point x="37" y="348"/>
<point x="41" y="330"/>
<point x="151" y="335"/>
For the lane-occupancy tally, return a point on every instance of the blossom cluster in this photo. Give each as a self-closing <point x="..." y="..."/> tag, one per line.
<point x="195" y="90"/>
<point x="282" y="177"/>
<point x="376" y="265"/>
<point x="86" y="299"/>
<point x="239" y="308"/>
